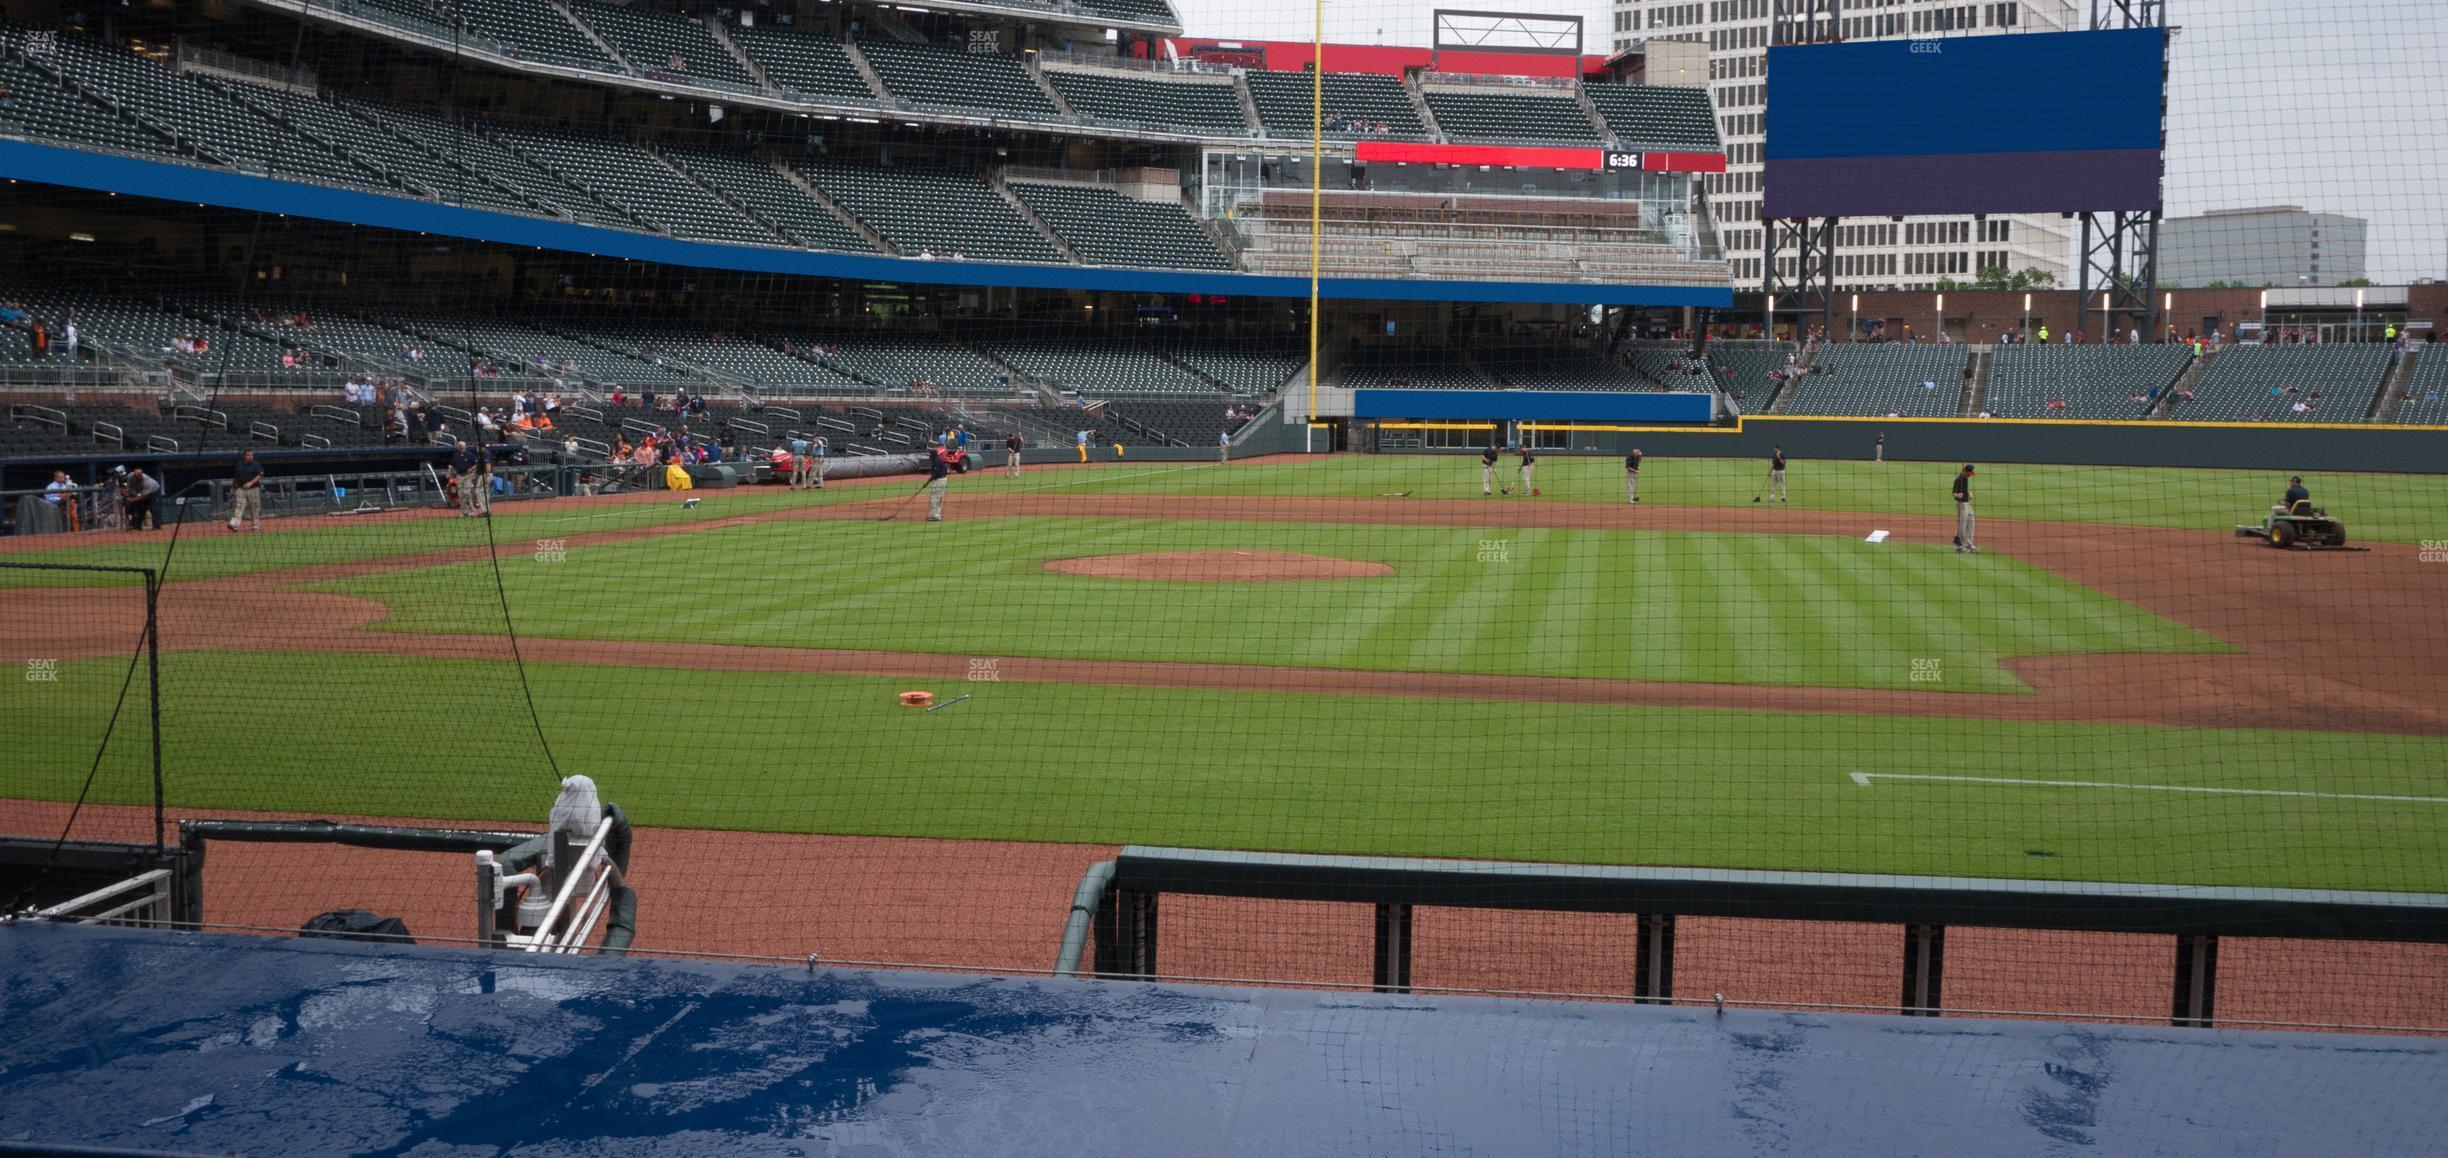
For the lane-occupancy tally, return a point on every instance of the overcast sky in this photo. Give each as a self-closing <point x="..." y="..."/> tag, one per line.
<point x="2334" y="105"/>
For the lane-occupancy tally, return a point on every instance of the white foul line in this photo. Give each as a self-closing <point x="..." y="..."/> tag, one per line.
<point x="1864" y="779"/>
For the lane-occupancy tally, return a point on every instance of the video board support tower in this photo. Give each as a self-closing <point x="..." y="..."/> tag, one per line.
<point x="2118" y="261"/>
<point x="1806" y="293"/>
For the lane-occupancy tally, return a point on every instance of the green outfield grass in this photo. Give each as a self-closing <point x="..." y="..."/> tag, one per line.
<point x="1719" y="608"/>
<point x="817" y="754"/>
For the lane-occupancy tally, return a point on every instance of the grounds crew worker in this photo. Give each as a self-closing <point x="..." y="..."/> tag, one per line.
<point x="2298" y="500"/>
<point x="1528" y="460"/>
<point x="1011" y="455"/>
<point x="1776" y="475"/>
<point x="1632" y="463"/>
<point x="246" y="492"/>
<point x="1487" y="469"/>
<point x="1963" y="512"/>
<point x="942" y="464"/>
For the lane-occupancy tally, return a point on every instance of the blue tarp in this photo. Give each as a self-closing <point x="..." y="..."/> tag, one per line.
<point x="188" y="1042"/>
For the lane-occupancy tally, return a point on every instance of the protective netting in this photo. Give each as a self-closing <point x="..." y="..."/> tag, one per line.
<point x="1393" y="602"/>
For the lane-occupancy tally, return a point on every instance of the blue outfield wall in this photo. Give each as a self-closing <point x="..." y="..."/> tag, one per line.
<point x="1533" y="405"/>
<point x="195" y="185"/>
<point x="198" y="1043"/>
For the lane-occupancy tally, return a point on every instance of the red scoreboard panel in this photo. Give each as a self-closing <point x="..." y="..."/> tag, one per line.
<point x="1528" y="157"/>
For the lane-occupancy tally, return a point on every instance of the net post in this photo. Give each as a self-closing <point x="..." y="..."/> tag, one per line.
<point x="2196" y="988"/>
<point x="1393" y="956"/>
<point x="1126" y="934"/>
<point x="1653" y="958"/>
<point x="1924" y="969"/>
<point x="152" y="632"/>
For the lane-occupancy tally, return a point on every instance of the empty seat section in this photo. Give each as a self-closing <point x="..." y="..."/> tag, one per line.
<point x="2080" y="381"/>
<point x="202" y="119"/>
<point x="927" y="211"/>
<point x="677" y="47"/>
<point x="1096" y="365"/>
<point x="625" y="175"/>
<point x="1508" y="118"/>
<point x="1750" y="372"/>
<point x="45" y="108"/>
<point x="469" y="148"/>
<point x="1107" y="228"/>
<point x="1178" y="106"/>
<point x="1143" y="11"/>
<point x="1648" y="117"/>
<point x="769" y="195"/>
<point x="1405" y="367"/>
<point x="530" y="31"/>
<point x="1877" y="378"/>
<point x="2426" y="400"/>
<point x="933" y="77"/>
<point x="1243" y="365"/>
<point x="2318" y="383"/>
<point x="809" y="65"/>
<point x="1355" y="105"/>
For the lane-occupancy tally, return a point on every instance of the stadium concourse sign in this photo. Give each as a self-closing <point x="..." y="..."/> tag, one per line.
<point x="1537" y="157"/>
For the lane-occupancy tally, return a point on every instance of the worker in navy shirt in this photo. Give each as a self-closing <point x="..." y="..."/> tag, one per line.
<point x="470" y="481"/>
<point x="1632" y="463"/>
<point x="1528" y="460"/>
<point x="1487" y="470"/>
<point x="246" y="493"/>
<point x="2298" y="500"/>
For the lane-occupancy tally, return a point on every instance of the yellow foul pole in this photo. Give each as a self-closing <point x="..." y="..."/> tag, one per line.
<point x="1317" y="174"/>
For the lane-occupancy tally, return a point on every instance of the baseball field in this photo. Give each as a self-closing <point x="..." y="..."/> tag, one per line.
<point x="1351" y="654"/>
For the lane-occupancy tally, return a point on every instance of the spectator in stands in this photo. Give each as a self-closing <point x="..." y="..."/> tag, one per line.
<point x="68" y="335"/>
<point x="729" y="441"/>
<point x="1223" y="446"/>
<point x="61" y="494"/>
<point x="41" y="337"/>
<point x="646" y="398"/>
<point x="136" y="494"/>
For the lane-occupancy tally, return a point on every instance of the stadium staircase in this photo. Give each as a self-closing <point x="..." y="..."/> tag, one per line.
<point x="722" y="36"/>
<point x="1419" y="108"/>
<point x="2184" y="381"/>
<point x="1249" y="112"/>
<point x="867" y="72"/>
<point x="1037" y="76"/>
<point x="994" y="181"/>
<point x="1793" y="385"/>
<point x="1589" y="108"/>
<point x="2393" y="388"/>
<point x="601" y="45"/>
<point x="883" y="20"/>
<point x="1976" y="384"/>
<point x="866" y="233"/>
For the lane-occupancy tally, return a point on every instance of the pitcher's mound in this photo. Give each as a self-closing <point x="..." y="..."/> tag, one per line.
<point x="1217" y="567"/>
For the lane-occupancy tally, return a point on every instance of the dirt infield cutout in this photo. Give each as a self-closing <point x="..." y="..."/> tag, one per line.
<point x="1218" y="567"/>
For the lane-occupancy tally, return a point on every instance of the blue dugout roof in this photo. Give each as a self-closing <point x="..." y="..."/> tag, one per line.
<point x="207" y="1043"/>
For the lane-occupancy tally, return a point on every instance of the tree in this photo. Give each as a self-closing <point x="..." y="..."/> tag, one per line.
<point x="2032" y="277"/>
<point x="1993" y="277"/>
<point x="2352" y="282"/>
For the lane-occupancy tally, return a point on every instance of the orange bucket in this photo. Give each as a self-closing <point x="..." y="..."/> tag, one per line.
<point x="917" y="699"/>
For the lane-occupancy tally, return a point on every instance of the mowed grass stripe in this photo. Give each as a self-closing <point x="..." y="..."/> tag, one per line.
<point x="1772" y="609"/>
<point x="1052" y="762"/>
